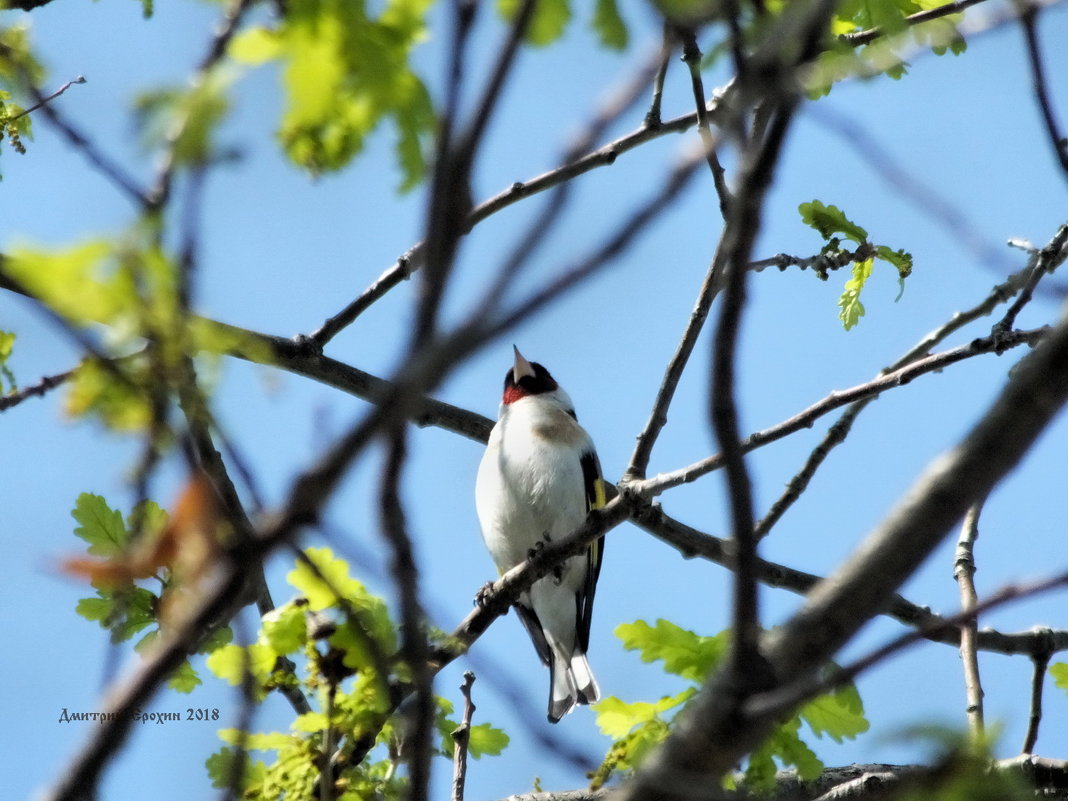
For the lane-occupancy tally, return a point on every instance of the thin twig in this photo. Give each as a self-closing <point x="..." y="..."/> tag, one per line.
<point x="788" y="696"/>
<point x="1042" y="262"/>
<point x="1029" y="19"/>
<point x="652" y="116"/>
<point x="643" y="449"/>
<point x="1039" y="662"/>
<point x="159" y="194"/>
<point x="692" y="543"/>
<point x="691" y="55"/>
<point x="964" y="573"/>
<point x="48" y="98"/>
<point x="804" y="419"/>
<point x="871" y="34"/>
<point x="461" y="736"/>
<point x="536" y="235"/>
<point x="76" y="138"/>
<point x="743" y="222"/>
<point x="38" y="390"/>
<point x="414" y="258"/>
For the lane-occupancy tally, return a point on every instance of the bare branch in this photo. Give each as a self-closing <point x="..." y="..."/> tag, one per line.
<point x="159" y="194"/>
<point x="691" y="55"/>
<point x="743" y="223"/>
<point x="1042" y="262"/>
<point x="643" y="450"/>
<point x="691" y="543"/>
<point x="1039" y="663"/>
<point x="804" y="419"/>
<point x="652" y="116"/>
<point x="461" y="736"/>
<point x="414" y="649"/>
<point x="48" y="98"/>
<point x="413" y="259"/>
<point x="964" y="573"/>
<point x="38" y="390"/>
<point x="1028" y="20"/>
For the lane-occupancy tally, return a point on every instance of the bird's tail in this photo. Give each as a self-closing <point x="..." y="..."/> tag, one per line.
<point x="572" y="682"/>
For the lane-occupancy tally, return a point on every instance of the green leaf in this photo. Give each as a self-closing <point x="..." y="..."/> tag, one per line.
<point x="99" y="525"/>
<point x="322" y="593"/>
<point x="548" y="22"/>
<point x="839" y="715"/>
<point x="786" y="746"/>
<point x="184" y="679"/>
<point x="850" y="308"/>
<point x="184" y="119"/>
<point x="222" y="766"/>
<point x="120" y="405"/>
<point x="255" y="46"/>
<point x="73" y="281"/>
<point x="98" y="609"/>
<point x="831" y="221"/>
<point x="900" y="259"/>
<point x="285" y="628"/>
<point x="609" y="25"/>
<point x="232" y="662"/>
<point x="485" y="739"/>
<point x="1059" y="672"/>
<point x="683" y="652"/>
<point x="271" y="741"/>
<point x="616" y="718"/>
<point x="344" y="74"/>
<point x="218" y="638"/>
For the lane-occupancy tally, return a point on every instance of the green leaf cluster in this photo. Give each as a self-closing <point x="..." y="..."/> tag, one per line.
<point x="637" y="727"/>
<point x="345" y="638"/>
<point x="882" y="56"/>
<point x="130" y="609"/>
<point x="832" y="224"/>
<point x="17" y="63"/>
<point x="344" y="74"/>
<point x="183" y="120"/>
<point x="129" y="288"/>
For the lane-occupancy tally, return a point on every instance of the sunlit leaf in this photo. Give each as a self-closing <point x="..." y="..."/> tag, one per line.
<point x="609" y="25"/>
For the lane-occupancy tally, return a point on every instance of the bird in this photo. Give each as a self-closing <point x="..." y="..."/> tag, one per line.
<point x="537" y="482"/>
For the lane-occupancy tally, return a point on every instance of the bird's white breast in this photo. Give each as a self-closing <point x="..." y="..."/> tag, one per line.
<point x="530" y="484"/>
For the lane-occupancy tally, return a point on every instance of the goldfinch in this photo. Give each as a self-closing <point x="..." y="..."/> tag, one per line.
<point x="537" y="482"/>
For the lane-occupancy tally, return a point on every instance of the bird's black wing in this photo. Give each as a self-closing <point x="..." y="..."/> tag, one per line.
<point x="595" y="499"/>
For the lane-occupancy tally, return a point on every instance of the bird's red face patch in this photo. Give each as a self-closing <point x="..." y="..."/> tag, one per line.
<point x="534" y="384"/>
<point x="512" y="393"/>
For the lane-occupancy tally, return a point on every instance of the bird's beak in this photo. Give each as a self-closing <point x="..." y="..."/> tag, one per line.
<point x="522" y="367"/>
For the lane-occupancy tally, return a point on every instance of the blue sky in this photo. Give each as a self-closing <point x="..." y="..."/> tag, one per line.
<point x="282" y="252"/>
